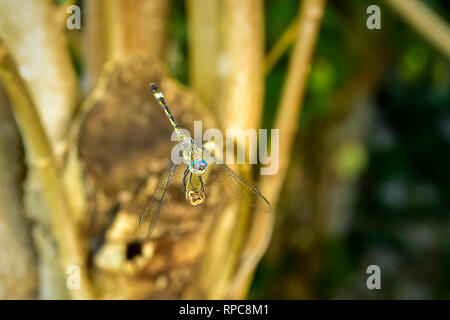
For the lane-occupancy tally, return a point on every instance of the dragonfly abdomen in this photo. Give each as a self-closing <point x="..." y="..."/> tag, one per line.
<point x="162" y="102"/>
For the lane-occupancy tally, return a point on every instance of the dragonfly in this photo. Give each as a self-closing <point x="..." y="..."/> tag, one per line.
<point x="198" y="163"/>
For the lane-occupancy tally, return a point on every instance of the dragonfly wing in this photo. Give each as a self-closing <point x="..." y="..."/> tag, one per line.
<point x="153" y="208"/>
<point x="238" y="186"/>
<point x="234" y="183"/>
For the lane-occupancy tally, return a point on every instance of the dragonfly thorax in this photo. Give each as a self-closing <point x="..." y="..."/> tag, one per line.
<point x="193" y="156"/>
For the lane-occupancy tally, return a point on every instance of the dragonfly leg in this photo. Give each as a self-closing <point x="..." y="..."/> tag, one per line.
<point x="202" y="184"/>
<point x="184" y="179"/>
<point x="190" y="180"/>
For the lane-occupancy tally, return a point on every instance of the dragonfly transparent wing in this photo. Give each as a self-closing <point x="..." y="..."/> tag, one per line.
<point x="153" y="208"/>
<point x="234" y="184"/>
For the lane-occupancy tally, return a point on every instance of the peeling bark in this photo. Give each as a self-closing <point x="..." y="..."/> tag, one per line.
<point x="204" y="26"/>
<point x="124" y="144"/>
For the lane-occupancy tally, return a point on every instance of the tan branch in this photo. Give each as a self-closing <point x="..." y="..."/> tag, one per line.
<point x="425" y="21"/>
<point x="238" y="103"/>
<point x="38" y="148"/>
<point x="93" y="43"/>
<point x="239" y="67"/>
<point x="203" y="18"/>
<point x="310" y="18"/>
<point x="282" y="45"/>
<point x="34" y="35"/>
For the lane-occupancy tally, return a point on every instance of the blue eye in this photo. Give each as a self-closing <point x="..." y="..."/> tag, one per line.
<point x="198" y="166"/>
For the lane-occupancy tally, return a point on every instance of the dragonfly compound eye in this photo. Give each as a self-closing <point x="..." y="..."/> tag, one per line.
<point x="198" y="166"/>
<point x="154" y="87"/>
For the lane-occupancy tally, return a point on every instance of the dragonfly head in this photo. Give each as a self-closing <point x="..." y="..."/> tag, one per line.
<point x="153" y="87"/>
<point x="195" y="197"/>
<point x="198" y="166"/>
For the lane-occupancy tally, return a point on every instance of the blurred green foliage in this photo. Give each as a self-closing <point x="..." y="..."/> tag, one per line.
<point x="400" y="220"/>
<point x="177" y="58"/>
